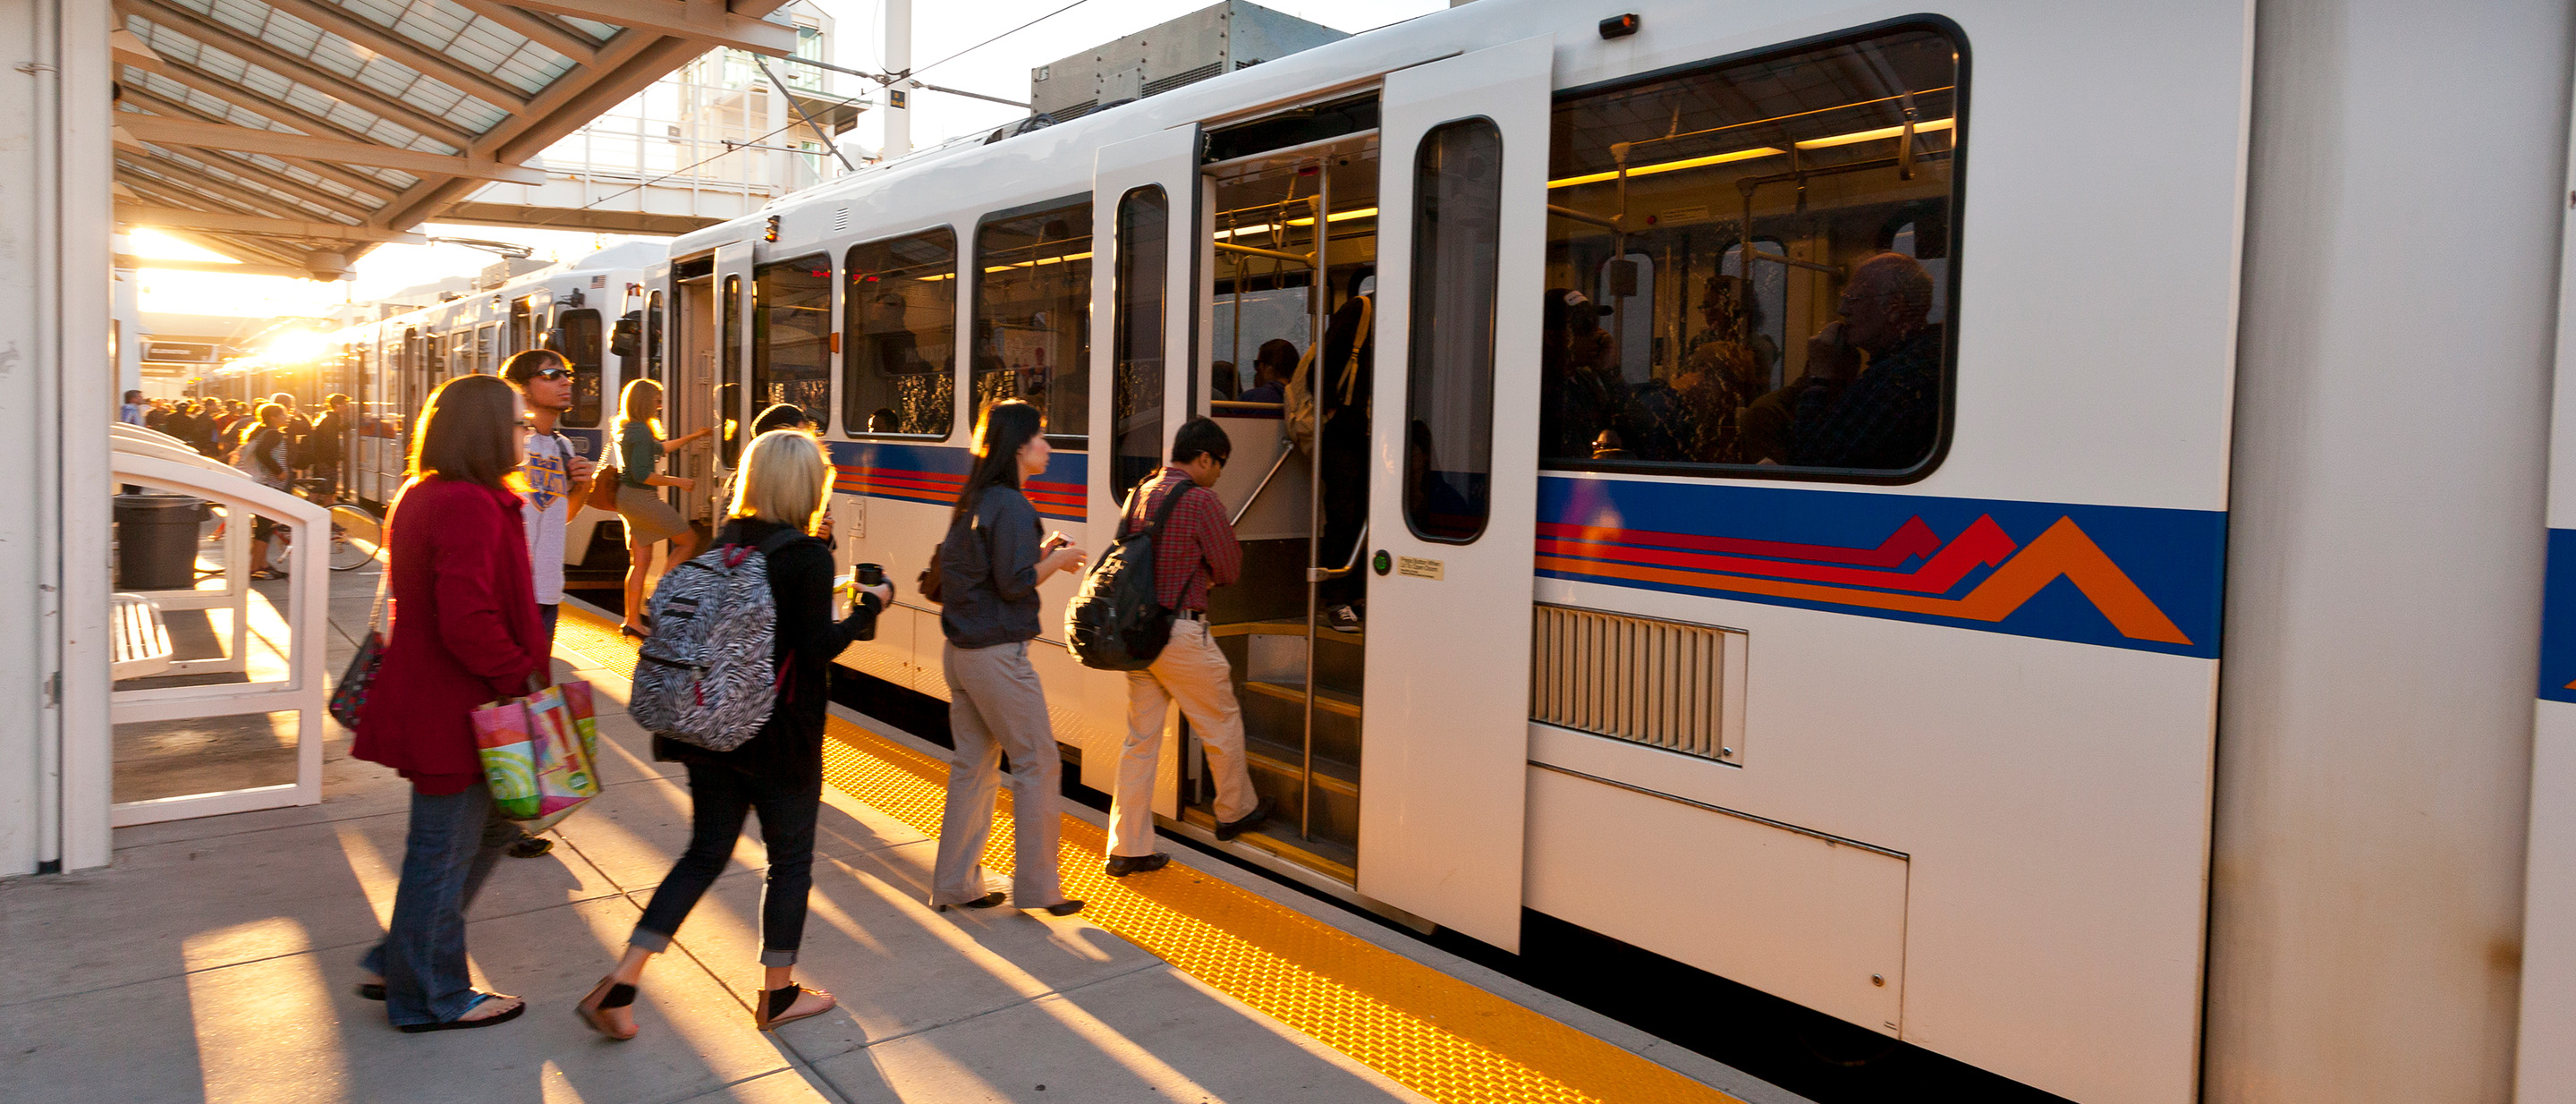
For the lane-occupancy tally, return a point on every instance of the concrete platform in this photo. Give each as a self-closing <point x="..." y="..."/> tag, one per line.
<point x="214" y="961"/>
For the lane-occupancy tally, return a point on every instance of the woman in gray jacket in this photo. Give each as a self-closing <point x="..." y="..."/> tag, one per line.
<point x="990" y="566"/>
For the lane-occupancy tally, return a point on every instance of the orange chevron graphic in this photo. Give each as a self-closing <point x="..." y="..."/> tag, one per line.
<point x="2064" y="550"/>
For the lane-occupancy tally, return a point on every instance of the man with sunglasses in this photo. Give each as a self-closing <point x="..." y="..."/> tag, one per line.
<point x="554" y="468"/>
<point x="1195" y="550"/>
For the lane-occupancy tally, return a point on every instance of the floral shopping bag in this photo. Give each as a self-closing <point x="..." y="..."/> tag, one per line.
<point x="539" y="753"/>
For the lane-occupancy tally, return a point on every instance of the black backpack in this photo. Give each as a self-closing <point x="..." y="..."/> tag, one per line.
<point x="1115" y="622"/>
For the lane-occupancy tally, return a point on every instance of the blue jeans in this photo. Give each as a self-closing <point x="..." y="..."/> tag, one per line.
<point x="548" y="612"/>
<point x="719" y="799"/>
<point x="455" y="838"/>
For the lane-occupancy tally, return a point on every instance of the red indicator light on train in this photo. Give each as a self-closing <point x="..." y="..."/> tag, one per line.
<point x="1619" y="26"/>
<point x="770" y="234"/>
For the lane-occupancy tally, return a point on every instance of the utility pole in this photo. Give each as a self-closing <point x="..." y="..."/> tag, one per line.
<point x="898" y="66"/>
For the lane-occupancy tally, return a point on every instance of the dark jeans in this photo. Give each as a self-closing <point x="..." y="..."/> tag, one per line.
<point x="454" y="840"/>
<point x="548" y="612"/>
<point x="1345" y="469"/>
<point x="719" y="798"/>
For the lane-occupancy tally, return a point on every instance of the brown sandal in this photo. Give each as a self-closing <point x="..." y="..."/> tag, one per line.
<point x="610" y="993"/>
<point x="774" y="1003"/>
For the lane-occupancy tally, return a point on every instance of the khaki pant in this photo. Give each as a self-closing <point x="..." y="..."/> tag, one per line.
<point x="1193" y="672"/>
<point x="996" y="706"/>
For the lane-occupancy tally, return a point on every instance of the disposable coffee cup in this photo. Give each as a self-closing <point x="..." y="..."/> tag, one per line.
<point x="868" y="574"/>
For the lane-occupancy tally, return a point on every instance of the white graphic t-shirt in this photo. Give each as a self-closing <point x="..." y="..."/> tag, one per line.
<point x="549" y="475"/>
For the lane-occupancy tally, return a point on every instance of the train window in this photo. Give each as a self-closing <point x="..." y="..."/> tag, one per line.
<point x="899" y="366"/>
<point x="653" y="337"/>
<point x="1831" y="356"/>
<point x="1136" y="337"/>
<point x="1449" y="384"/>
<point x="729" y="378"/>
<point x="581" y="347"/>
<point x="791" y="336"/>
<point x="1033" y="313"/>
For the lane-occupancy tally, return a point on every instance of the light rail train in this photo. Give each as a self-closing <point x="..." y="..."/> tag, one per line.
<point x="1743" y="529"/>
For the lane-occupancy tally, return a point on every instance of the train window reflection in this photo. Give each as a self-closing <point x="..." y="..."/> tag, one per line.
<point x="791" y="336"/>
<point x="1033" y="313"/>
<point x="581" y="346"/>
<point x="899" y="368"/>
<point x="1449" y="386"/>
<point x="1828" y="353"/>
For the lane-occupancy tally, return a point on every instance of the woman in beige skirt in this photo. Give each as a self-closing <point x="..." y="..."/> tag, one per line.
<point x="649" y="519"/>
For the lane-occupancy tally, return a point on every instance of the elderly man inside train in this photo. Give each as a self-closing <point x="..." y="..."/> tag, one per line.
<point x="1842" y="414"/>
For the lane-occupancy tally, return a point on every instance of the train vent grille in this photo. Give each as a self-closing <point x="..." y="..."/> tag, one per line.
<point x="1666" y="684"/>
<point x="841" y="220"/>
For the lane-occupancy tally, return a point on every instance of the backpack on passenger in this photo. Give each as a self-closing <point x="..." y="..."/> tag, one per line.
<point x="708" y="675"/>
<point x="1116" y="622"/>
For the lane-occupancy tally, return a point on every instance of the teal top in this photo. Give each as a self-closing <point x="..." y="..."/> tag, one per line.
<point x="637" y="453"/>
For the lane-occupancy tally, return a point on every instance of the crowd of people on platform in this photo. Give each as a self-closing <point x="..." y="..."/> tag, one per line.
<point x="273" y="443"/>
<point x="474" y="570"/>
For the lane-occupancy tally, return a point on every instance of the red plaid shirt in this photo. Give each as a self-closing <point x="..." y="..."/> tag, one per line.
<point x="1195" y="550"/>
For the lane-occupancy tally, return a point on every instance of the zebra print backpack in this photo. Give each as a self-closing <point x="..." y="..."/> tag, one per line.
<point x="708" y="675"/>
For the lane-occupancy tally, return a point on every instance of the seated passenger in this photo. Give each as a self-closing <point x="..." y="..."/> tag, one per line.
<point x="1222" y="380"/>
<point x="1721" y="374"/>
<point x="1884" y="417"/>
<point x="1271" y="368"/>
<point x="1580" y="399"/>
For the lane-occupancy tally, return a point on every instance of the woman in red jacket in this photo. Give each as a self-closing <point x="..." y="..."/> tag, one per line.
<point x="465" y="633"/>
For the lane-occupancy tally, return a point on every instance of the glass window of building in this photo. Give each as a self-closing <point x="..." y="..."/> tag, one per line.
<point x="1824" y="349"/>
<point x="1033" y="313"/>
<point x="899" y="360"/>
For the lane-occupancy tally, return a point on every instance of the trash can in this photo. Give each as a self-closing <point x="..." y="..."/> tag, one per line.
<point x="156" y="541"/>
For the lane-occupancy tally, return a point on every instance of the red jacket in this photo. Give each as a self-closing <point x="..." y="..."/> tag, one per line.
<point x="465" y="631"/>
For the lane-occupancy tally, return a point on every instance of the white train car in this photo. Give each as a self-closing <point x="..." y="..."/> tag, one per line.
<point x="1778" y="545"/>
<point x="588" y="309"/>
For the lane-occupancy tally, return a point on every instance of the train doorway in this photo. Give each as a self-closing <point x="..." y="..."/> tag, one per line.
<point x="688" y="402"/>
<point x="1287" y="254"/>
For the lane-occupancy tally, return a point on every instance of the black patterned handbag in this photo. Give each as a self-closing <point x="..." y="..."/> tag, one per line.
<point x="349" y="696"/>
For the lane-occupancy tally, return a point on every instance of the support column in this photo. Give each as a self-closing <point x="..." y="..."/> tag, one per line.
<point x="898" y="61"/>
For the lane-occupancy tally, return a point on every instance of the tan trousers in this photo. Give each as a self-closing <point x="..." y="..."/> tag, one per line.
<point x="1193" y="672"/>
<point x="995" y="705"/>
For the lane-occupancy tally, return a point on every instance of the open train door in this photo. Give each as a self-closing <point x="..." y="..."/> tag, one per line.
<point x="731" y="421"/>
<point x="1145" y="202"/>
<point x="1453" y="487"/>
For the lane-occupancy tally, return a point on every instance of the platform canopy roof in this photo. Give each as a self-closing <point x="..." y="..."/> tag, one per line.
<point x="295" y="135"/>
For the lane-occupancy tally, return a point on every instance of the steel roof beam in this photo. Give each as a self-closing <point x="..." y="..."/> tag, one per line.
<point x="706" y="21"/>
<point x="129" y="260"/>
<point x="173" y="173"/>
<point x="299" y="70"/>
<point x="269" y="178"/>
<point x="373" y="188"/>
<point x="539" y="29"/>
<point x="212" y="222"/>
<point x="162" y="128"/>
<point x="384" y="40"/>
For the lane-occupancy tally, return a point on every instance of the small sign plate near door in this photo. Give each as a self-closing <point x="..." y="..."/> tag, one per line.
<point x="1417" y="567"/>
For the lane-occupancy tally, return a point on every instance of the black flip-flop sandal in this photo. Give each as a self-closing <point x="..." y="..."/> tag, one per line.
<point x="461" y="1025"/>
<point x="609" y="993"/>
<point x="774" y="1004"/>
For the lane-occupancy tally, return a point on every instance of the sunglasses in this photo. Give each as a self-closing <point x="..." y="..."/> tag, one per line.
<point x="552" y="374"/>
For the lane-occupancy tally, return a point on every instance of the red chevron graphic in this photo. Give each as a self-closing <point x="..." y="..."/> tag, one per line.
<point x="1983" y="544"/>
<point x="1914" y="538"/>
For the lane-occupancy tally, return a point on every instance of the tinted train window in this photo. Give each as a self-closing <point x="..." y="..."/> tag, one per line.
<point x="1449" y="386"/>
<point x="1033" y="313"/>
<point x="581" y="346"/>
<point x="791" y="337"/>
<point x="729" y="413"/>
<point x="1136" y="338"/>
<point x="653" y="337"/>
<point x="899" y="368"/>
<point x="1661" y="351"/>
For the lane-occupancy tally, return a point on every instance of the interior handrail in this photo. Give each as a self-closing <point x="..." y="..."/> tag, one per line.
<point x="1357" y="547"/>
<point x="1264" y="485"/>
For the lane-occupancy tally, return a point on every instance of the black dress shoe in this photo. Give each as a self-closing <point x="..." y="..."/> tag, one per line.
<point x="529" y="847"/>
<point x="984" y="902"/>
<point x="1121" y="866"/>
<point x="1064" y="908"/>
<point x="1250" y="821"/>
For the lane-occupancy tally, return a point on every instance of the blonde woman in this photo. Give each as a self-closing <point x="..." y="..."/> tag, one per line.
<point x="777" y="503"/>
<point x="649" y="519"/>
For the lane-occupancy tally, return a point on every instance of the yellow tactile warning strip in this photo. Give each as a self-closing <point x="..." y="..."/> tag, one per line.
<point x="1430" y="1032"/>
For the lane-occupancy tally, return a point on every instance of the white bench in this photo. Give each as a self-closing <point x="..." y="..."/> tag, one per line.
<point x="138" y="643"/>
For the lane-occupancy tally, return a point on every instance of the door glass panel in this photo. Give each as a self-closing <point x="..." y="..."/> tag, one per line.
<point x="729" y="387"/>
<point x="581" y="346"/>
<point x="1449" y="386"/>
<point x="1136" y="337"/>
<point x="899" y="371"/>
<point x="1033" y="314"/>
<point x="791" y="335"/>
<point x="653" y="338"/>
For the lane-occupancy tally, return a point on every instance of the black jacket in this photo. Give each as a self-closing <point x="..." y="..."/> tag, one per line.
<point x="790" y="745"/>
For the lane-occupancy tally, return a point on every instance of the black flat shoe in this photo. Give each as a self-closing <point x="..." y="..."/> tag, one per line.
<point x="632" y="631"/>
<point x="463" y="1025"/>
<point x="1252" y="820"/>
<point x="1064" y="908"/>
<point x="1121" y="866"/>
<point x="984" y="902"/>
<point x="370" y="990"/>
<point x="529" y="847"/>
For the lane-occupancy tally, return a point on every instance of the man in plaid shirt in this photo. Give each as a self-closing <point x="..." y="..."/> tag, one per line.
<point x="1196" y="549"/>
